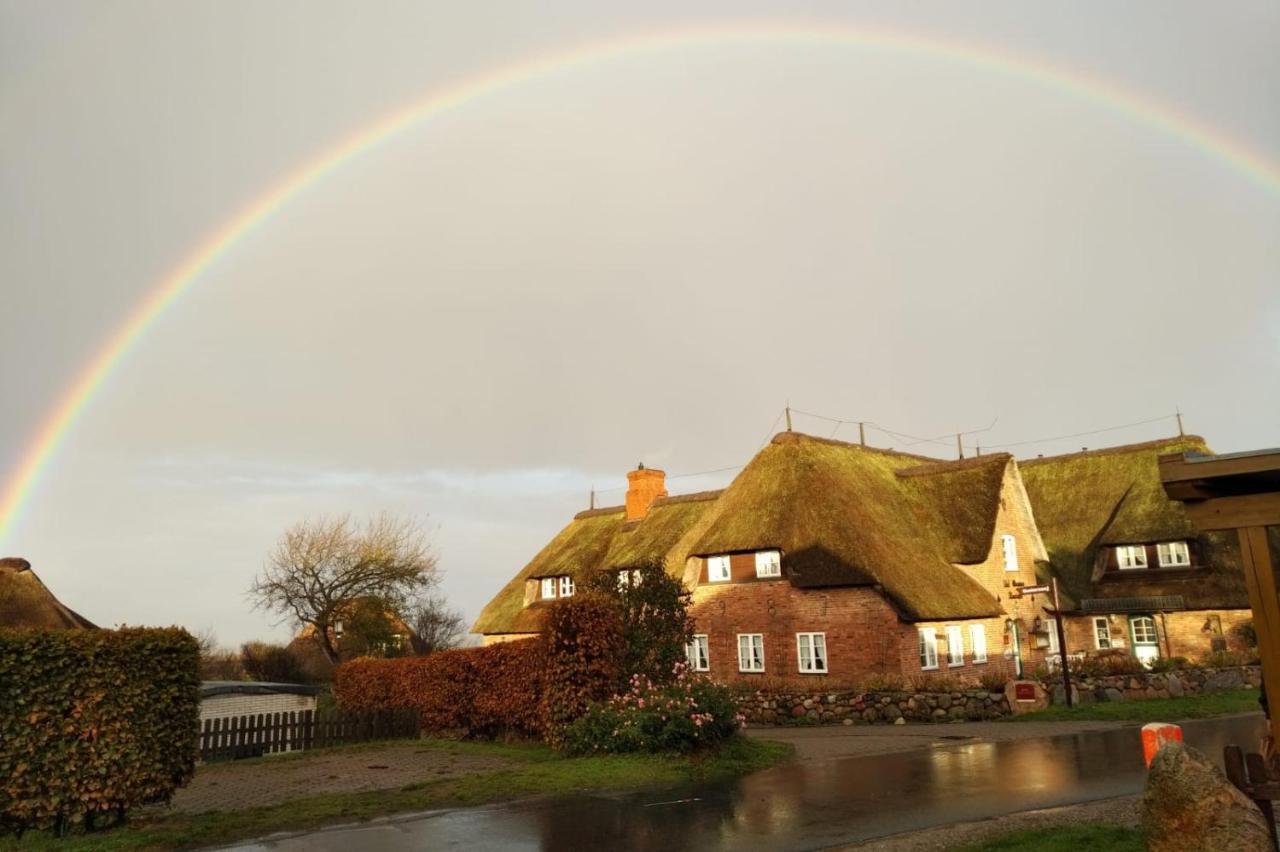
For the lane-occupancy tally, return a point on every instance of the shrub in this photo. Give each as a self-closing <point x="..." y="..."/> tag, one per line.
<point x="1247" y="634"/>
<point x="656" y="625"/>
<point x="583" y="651"/>
<point x="269" y="663"/>
<point x="1169" y="664"/>
<point x="1107" y="663"/>
<point x="887" y="683"/>
<point x="994" y="681"/>
<point x="477" y="692"/>
<point x="94" y="722"/>
<point x="687" y="713"/>
<point x="1229" y="659"/>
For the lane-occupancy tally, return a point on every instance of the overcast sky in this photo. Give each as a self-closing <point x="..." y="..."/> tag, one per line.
<point x="486" y="315"/>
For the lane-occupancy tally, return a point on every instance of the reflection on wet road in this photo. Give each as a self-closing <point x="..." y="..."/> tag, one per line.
<point x="806" y="805"/>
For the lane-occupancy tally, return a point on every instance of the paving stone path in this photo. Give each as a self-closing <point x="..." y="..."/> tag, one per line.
<point x="269" y="781"/>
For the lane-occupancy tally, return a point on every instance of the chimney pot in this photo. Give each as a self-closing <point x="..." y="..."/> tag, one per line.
<point x="643" y="487"/>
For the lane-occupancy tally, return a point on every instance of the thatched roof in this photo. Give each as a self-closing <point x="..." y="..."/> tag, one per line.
<point x="597" y="539"/>
<point x="844" y="514"/>
<point x="27" y="602"/>
<point x="1087" y="500"/>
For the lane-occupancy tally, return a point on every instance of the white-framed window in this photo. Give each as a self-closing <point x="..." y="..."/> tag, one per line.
<point x="1051" y="624"/>
<point x="1131" y="556"/>
<point x="978" y="641"/>
<point x="955" y="646"/>
<point x="566" y="587"/>
<point x="718" y="569"/>
<point x="768" y="563"/>
<point x="699" y="654"/>
<point x="811" y="648"/>
<point x="928" y="648"/>
<point x="1101" y="632"/>
<point x="1173" y="554"/>
<point x="1144" y="630"/>
<point x="548" y="587"/>
<point x="750" y="652"/>
<point x="629" y="579"/>
<point x="1009" y="545"/>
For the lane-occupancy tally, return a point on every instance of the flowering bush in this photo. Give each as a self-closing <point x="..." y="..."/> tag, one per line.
<point x="688" y="713"/>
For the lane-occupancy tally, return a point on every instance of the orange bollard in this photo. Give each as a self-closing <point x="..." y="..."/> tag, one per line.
<point x="1155" y="735"/>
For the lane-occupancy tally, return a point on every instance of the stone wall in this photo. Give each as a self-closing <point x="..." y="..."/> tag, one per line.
<point x="857" y="707"/>
<point x="1173" y="684"/>
<point x="849" y="707"/>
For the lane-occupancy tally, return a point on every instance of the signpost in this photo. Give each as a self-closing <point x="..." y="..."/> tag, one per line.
<point x="1052" y="588"/>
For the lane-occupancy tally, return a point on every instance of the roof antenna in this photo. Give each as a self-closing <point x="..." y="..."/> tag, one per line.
<point x="862" y="433"/>
<point x="788" y="415"/>
<point x="592" y="504"/>
<point x="1178" y="414"/>
<point x="959" y="446"/>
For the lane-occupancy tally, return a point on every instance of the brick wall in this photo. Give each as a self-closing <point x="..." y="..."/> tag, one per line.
<point x="224" y="706"/>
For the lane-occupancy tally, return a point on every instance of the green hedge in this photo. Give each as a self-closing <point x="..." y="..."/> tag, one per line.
<point x="94" y="722"/>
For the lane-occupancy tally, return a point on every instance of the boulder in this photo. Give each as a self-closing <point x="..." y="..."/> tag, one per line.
<point x="1174" y="685"/>
<point x="1113" y="694"/>
<point x="1190" y="806"/>
<point x="1224" y="680"/>
<point x="1024" y="696"/>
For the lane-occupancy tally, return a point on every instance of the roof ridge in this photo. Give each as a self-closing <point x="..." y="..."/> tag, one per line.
<point x="694" y="497"/>
<point x="592" y="513"/>
<point x="954" y="465"/>
<point x="1119" y="448"/>
<point x="798" y="437"/>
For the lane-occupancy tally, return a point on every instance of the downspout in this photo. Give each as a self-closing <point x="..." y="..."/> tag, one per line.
<point x="1164" y="628"/>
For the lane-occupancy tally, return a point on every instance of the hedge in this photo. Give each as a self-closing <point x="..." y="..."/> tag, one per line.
<point x="477" y="692"/>
<point x="584" y="646"/>
<point x="94" y="722"/>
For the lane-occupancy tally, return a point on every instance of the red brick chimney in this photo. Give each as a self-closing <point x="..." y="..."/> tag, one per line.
<point x="643" y="487"/>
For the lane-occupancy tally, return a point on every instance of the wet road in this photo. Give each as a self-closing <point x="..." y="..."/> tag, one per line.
<point x="807" y="805"/>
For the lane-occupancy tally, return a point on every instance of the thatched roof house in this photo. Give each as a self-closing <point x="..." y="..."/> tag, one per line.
<point x="1089" y="503"/>
<point x="27" y="602"/>
<point x="840" y="514"/>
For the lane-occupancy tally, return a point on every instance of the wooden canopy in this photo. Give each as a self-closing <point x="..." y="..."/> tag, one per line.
<point x="1241" y="491"/>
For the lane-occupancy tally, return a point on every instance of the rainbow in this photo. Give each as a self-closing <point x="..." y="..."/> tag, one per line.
<point x="54" y="430"/>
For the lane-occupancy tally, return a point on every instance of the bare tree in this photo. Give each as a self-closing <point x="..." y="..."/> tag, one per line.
<point x="436" y="625"/>
<point x="320" y="567"/>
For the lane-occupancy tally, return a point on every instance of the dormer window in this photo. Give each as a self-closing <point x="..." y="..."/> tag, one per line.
<point x="1173" y="554"/>
<point x="1129" y="556"/>
<point x="768" y="563"/>
<point x="548" y="588"/>
<point x="566" y="587"/>
<point x="718" y="569"/>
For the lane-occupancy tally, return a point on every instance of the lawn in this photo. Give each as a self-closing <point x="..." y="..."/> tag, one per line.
<point x="1154" y="710"/>
<point x="537" y="771"/>
<point x="1067" y="838"/>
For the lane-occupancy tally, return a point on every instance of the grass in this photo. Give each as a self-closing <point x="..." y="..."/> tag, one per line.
<point x="536" y="770"/>
<point x="1154" y="710"/>
<point x="1070" y="838"/>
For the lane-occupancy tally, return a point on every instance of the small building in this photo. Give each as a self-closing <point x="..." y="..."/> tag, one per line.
<point x="823" y="561"/>
<point x="1135" y="573"/>
<point x="26" y="602"/>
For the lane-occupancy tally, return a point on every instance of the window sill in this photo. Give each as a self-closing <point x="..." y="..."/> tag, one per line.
<point x="980" y="662"/>
<point x="928" y="668"/>
<point x="955" y="665"/>
<point x="821" y="673"/>
<point x="750" y="671"/>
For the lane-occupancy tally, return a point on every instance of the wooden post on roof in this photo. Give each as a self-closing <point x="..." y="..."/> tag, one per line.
<point x="788" y="417"/>
<point x="1178" y="414"/>
<point x="591" y="504"/>
<point x="862" y="433"/>
<point x="959" y="446"/>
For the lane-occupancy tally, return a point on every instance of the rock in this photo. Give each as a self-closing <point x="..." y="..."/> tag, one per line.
<point x="899" y="721"/>
<point x="939" y="713"/>
<point x="1190" y="806"/>
<point x="892" y="712"/>
<point x="847" y="722"/>
<point x="797" y="711"/>
<point x="1025" y="696"/>
<point x="808" y="702"/>
<point x="1113" y="694"/>
<point x="944" y="701"/>
<point x="1060" y="694"/>
<point x="1224" y="680"/>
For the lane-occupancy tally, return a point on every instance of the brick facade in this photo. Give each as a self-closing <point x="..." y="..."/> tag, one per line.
<point x="1189" y="633"/>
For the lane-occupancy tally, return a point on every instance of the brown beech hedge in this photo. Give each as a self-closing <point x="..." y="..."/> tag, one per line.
<point x="530" y="687"/>
<point x="476" y="692"/>
<point x="94" y="722"/>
